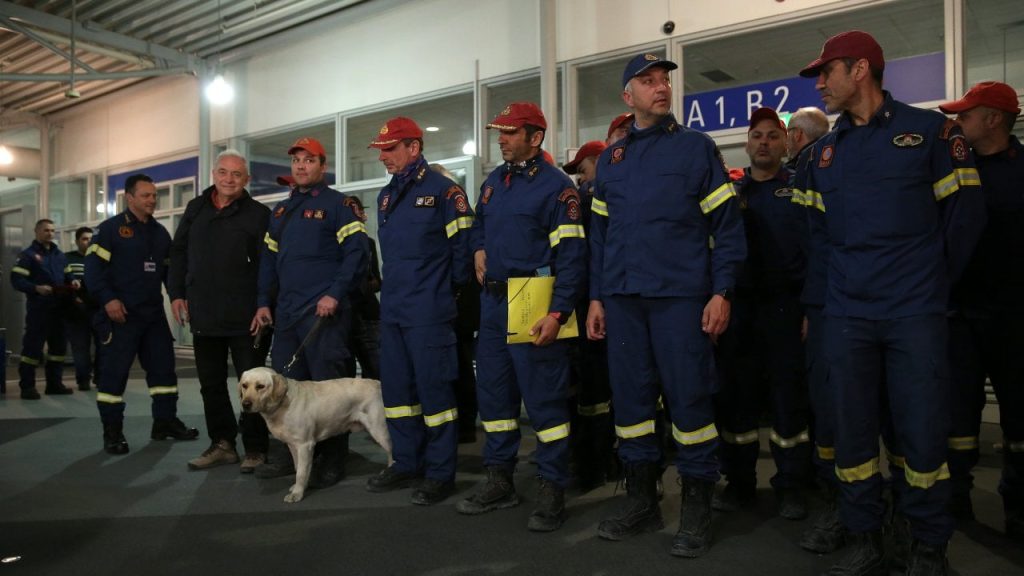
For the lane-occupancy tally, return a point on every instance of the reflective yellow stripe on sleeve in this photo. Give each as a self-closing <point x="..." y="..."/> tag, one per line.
<point x="926" y="480"/>
<point x="781" y="442"/>
<point x="954" y="180"/>
<point x="740" y="438"/>
<point x="270" y="242"/>
<point x="698" y="436"/>
<point x="100" y="251"/>
<point x="813" y="199"/>
<point x="158" y="390"/>
<point x="435" y="420"/>
<point x="403" y="411"/>
<point x="599" y="207"/>
<point x="554" y="433"/>
<point x="826" y="452"/>
<point x="566" y="231"/>
<point x="109" y="398"/>
<point x="350" y="229"/>
<point x="20" y="270"/>
<point x="717" y="198"/>
<point x="500" y="425"/>
<point x="963" y="443"/>
<point x="858" y="473"/>
<point x="636" y="430"/>
<point x="460" y="223"/>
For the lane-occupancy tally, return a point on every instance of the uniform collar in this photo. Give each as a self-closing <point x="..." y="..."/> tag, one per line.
<point x="1012" y="152"/>
<point x="882" y="117"/>
<point x="667" y="125"/>
<point x="43" y="247"/>
<point x="314" y="190"/>
<point x="528" y="169"/>
<point x="414" y="172"/>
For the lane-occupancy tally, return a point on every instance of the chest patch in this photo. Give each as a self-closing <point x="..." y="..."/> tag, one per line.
<point x="908" y="140"/>
<point x="126" y="232"/>
<point x="827" y="154"/>
<point x="314" y="214"/>
<point x="784" y="193"/>
<point x="425" y="201"/>
<point x="384" y="202"/>
<point x="279" y="212"/>
<point x="38" y="257"/>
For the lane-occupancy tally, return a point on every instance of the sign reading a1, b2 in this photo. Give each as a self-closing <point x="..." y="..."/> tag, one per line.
<point x="914" y="79"/>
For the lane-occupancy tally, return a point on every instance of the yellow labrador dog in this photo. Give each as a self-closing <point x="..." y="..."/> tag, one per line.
<point x="300" y="414"/>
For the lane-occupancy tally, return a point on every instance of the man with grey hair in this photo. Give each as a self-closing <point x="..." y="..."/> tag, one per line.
<point x="217" y="247"/>
<point x="805" y="126"/>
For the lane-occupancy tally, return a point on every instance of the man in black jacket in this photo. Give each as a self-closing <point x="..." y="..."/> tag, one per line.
<point x="212" y="286"/>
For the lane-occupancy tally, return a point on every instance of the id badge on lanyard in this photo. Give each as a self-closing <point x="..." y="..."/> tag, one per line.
<point x="149" y="265"/>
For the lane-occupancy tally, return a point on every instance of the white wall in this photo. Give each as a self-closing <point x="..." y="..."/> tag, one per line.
<point x="413" y="48"/>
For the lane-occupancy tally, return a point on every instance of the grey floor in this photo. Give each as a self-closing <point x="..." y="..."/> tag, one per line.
<point x="66" y="507"/>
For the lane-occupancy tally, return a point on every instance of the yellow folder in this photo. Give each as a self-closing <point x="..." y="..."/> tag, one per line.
<point x="528" y="301"/>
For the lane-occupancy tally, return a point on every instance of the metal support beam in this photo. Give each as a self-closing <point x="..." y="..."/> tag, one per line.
<point x="45" y="43"/>
<point x="90" y="32"/>
<point x="205" y="169"/>
<point x="97" y="76"/>
<point x="549" y="74"/>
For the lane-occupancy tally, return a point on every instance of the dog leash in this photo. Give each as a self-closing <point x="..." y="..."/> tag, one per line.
<point x="309" y="338"/>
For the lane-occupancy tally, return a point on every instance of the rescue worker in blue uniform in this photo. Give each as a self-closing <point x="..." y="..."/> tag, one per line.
<point x="79" y="318"/>
<point x="527" y="224"/>
<point x="423" y="225"/>
<point x="827" y="533"/>
<point x="894" y="194"/>
<point x="760" y="356"/>
<point x="660" y="295"/>
<point x="593" y="437"/>
<point x="987" y="324"/>
<point x="314" y="259"/>
<point x="39" y="273"/>
<point x="125" y="267"/>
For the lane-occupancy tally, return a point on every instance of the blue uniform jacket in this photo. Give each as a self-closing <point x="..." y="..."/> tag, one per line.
<point x="127" y="261"/>
<point x="995" y="277"/>
<point x="774" y="227"/>
<point x="661" y="197"/>
<point x="423" y="224"/>
<point x="38" y="265"/>
<point x="897" y="204"/>
<point x="528" y="219"/>
<point x="324" y="251"/>
<point x="815" y="282"/>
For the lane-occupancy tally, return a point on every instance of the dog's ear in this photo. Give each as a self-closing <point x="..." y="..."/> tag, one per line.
<point x="278" y="387"/>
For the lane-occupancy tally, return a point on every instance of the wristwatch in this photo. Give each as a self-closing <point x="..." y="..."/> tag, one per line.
<point x="726" y="294"/>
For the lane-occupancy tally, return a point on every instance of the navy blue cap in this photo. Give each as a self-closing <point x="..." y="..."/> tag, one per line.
<point x="642" y="62"/>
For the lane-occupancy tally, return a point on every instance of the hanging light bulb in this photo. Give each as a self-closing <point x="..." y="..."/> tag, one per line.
<point x="219" y="91"/>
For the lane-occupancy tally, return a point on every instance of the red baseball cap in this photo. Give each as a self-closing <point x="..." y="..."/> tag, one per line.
<point x="592" y="148"/>
<point x="992" y="94"/>
<point x="394" y="131"/>
<point x="517" y="114"/>
<point x="287" y="180"/>
<point x="548" y="157"/>
<point x="765" y="113"/>
<point x="618" y="122"/>
<point x="311" y="145"/>
<point x="852" y="44"/>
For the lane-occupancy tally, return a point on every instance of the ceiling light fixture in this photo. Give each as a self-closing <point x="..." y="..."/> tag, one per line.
<point x="219" y="91"/>
<point x="432" y="129"/>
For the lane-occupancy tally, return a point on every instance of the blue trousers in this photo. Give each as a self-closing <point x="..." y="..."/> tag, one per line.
<point x="652" y="338"/>
<point x="760" y="360"/>
<point x="898" y="366"/>
<point x="418" y="375"/>
<point x="325" y="355"/>
<point x="85" y="348"/>
<point x="509" y="375"/>
<point x="43" y="325"/>
<point x="822" y="397"/>
<point x="149" y="337"/>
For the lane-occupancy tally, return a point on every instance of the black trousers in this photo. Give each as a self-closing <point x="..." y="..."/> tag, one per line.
<point x="212" y="367"/>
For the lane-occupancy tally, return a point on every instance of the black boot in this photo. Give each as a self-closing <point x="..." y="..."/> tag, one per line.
<point x="27" y="381"/>
<point x="641" y="512"/>
<point x="54" y="379"/>
<point x="549" y="514"/>
<point x="113" y="438"/>
<point x="866" y="556"/>
<point x="329" y="466"/>
<point x="164" y="428"/>
<point x="827" y="534"/>
<point x="496" y="493"/>
<point x="694" y="536"/>
<point x="901" y="540"/>
<point x="927" y="560"/>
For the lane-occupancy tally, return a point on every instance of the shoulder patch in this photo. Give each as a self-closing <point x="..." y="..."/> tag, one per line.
<point x="353" y="205"/>
<point x="958" y="148"/>
<point x="947" y="129"/>
<point x="571" y="198"/>
<point x="827" y="153"/>
<point x="461" y="203"/>
<point x="617" y="155"/>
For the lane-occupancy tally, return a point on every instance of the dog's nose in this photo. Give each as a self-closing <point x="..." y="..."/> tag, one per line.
<point x="247" y="405"/>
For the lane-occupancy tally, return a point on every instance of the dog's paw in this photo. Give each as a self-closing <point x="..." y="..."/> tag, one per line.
<point x="294" y="496"/>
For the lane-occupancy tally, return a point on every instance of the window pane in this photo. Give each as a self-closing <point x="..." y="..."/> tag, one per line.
<point x="451" y="116"/>
<point x="183" y="192"/>
<point x="995" y="42"/>
<point x="600" y="97"/>
<point x="163" y="197"/>
<point x="68" y="202"/>
<point x="268" y="157"/>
